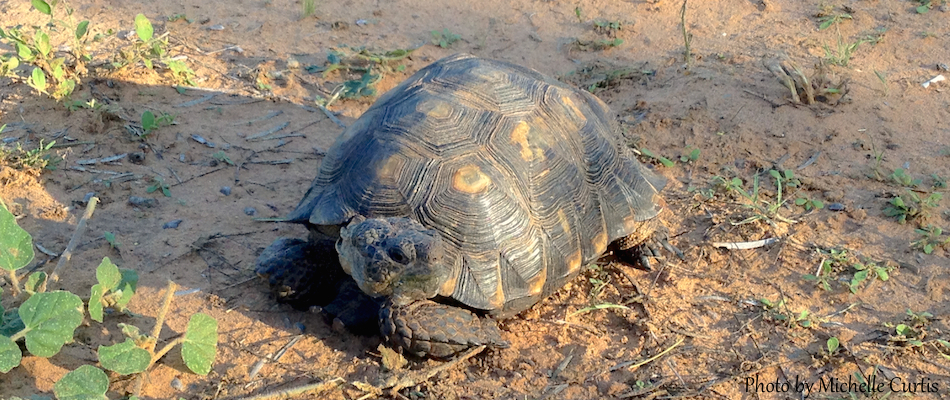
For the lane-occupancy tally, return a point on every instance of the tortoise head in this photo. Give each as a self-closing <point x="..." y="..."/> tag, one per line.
<point x="393" y="257"/>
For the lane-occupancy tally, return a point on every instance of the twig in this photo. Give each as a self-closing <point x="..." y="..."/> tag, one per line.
<point x="411" y="380"/>
<point x="198" y="176"/>
<point x="331" y="116"/>
<point x="73" y="242"/>
<point x="153" y="340"/>
<point x="745" y="245"/>
<point x="687" y="38"/>
<point x="297" y="391"/>
<point x="635" y="364"/>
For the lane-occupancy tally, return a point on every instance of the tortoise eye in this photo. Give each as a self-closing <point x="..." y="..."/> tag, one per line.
<point x="397" y="255"/>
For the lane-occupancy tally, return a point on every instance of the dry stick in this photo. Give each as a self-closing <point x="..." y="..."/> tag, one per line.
<point x="687" y="38"/>
<point x="157" y="330"/>
<point x="423" y="376"/>
<point x="73" y="242"/>
<point x="297" y="391"/>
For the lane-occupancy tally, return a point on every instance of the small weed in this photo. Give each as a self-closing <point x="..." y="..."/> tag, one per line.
<point x="663" y="160"/>
<point x="924" y="7"/>
<point x="912" y="207"/>
<point x="687" y="37"/>
<point x="931" y="238"/>
<point x="829" y="353"/>
<point x="149" y="49"/>
<point x="309" y="7"/>
<point x="693" y="156"/>
<point x="842" y="53"/>
<point x="365" y="65"/>
<point x="159" y="183"/>
<point x="608" y="28"/>
<point x="778" y="312"/>
<point x="939" y="182"/>
<point x="608" y="43"/>
<point x="40" y="158"/>
<point x="46" y="321"/>
<point x="809" y="203"/>
<point x="110" y="237"/>
<point x="150" y="122"/>
<point x="445" y="38"/>
<point x="868" y="271"/>
<point x="577" y="13"/>
<point x="220" y="156"/>
<point x="901" y="177"/>
<point x="833" y="260"/>
<point x="363" y="87"/>
<point x="912" y="331"/>
<point x="882" y="77"/>
<point x="827" y="20"/>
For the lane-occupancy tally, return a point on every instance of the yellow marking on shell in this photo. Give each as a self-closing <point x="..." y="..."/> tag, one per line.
<point x="574" y="262"/>
<point x="497" y="300"/>
<point x="489" y="74"/>
<point x="448" y="287"/>
<point x="630" y="224"/>
<point x="600" y="243"/>
<point x="390" y="167"/>
<point x="522" y="136"/>
<point x="537" y="285"/>
<point x="470" y="179"/>
<point x="435" y="109"/>
<point x="570" y="105"/>
<point x="562" y="218"/>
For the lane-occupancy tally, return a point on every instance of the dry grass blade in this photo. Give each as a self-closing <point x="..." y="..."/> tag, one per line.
<point x="297" y="391"/>
<point x="637" y="364"/>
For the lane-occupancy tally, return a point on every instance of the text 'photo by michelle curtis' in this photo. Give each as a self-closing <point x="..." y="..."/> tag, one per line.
<point x="852" y="384"/>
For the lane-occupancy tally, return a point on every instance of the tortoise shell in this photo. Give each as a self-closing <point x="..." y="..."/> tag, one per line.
<point x="523" y="176"/>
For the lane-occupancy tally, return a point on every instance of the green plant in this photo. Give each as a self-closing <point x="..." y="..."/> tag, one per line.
<point x="309" y="7"/>
<point x="159" y="183"/>
<point x="780" y="313"/>
<point x="931" y="238"/>
<point x="445" y="38"/>
<point x="368" y="65"/>
<point x="222" y="157"/>
<point x="809" y="204"/>
<point x="110" y="237"/>
<point x="842" y="53"/>
<point x="52" y="75"/>
<point x="762" y="208"/>
<point x="882" y="77"/>
<point x="827" y="20"/>
<point x="901" y="177"/>
<point x="46" y="321"/>
<point x="150" y="48"/>
<point x="691" y="157"/>
<point x="913" y="207"/>
<point x="39" y="158"/>
<point x="867" y="271"/>
<point x="939" y="182"/>
<point x="607" y="27"/>
<point x="687" y="37"/>
<point x="832" y="260"/>
<point x="663" y="160"/>
<point x="150" y="122"/>
<point x="924" y="7"/>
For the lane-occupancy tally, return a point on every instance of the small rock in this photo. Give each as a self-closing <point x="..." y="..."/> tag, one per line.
<point x="137" y="157"/>
<point x="172" y="224"/>
<point x="142" y="201"/>
<point x="226" y="190"/>
<point x="177" y="385"/>
<point x="86" y="198"/>
<point x="943" y="67"/>
<point x="836" y="207"/>
<point x="250" y="211"/>
<point x="217" y="27"/>
<point x="181" y="157"/>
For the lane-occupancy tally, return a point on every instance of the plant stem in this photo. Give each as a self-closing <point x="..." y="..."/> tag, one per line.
<point x="165" y="349"/>
<point x="687" y="38"/>
<point x="160" y="319"/>
<point x="73" y="242"/>
<point x="14" y="283"/>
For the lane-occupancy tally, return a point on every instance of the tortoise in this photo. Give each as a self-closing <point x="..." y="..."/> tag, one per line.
<point x="475" y="188"/>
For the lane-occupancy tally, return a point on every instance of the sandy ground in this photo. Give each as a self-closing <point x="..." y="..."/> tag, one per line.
<point x="695" y="329"/>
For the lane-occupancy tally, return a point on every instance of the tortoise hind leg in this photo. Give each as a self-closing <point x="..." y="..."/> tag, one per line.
<point x="637" y="248"/>
<point x="429" y="329"/>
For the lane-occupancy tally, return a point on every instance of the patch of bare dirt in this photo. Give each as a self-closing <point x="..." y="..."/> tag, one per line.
<point x="696" y="328"/>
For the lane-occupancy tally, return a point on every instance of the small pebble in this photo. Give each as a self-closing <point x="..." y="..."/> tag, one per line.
<point x="217" y="27"/>
<point x="226" y="190"/>
<point x="142" y="201"/>
<point x="137" y="157"/>
<point x="172" y="224"/>
<point x="836" y="207"/>
<point x="177" y="385"/>
<point x="181" y="157"/>
<point x="250" y="211"/>
<point x="943" y="67"/>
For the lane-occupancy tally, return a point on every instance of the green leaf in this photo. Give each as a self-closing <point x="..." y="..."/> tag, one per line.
<point x="124" y="358"/>
<point x="42" y="43"/>
<point x="922" y="9"/>
<point x="10" y="354"/>
<point x="143" y="27"/>
<point x="50" y="319"/>
<point x="809" y="277"/>
<point x="127" y="286"/>
<point x="85" y="383"/>
<point x="818" y="204"/>
<point x="859" y="277"/>
<point x="42" y="7"/>
<point x="800" y="201"/>
<point x="826" y="24"/>
<point x="832" y="344"/>
<point x="34" y="281"/>
<point x="148" y="121"/>
<point x="10" y="323"/>
<point x="201" y="343"/>
<point x="108" y="274"/>
<point x="16" y="245"/>
<point x="24" y="52"/>
<point x="82" y="29"/>
<point x="95" y="302"/>
<point x="882" y="274"/>
<point x="38" y="79"/>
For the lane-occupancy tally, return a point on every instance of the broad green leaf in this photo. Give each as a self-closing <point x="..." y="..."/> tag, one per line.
<point x="108" y="274"/>
<point x="42" y="7"/>
<point x="859" y="277"/>
<point x="201" y="343"/>
<point x="42" y="43"/>
<point x="38" y="79"/>
<point x="81" y="29"/>
<point x="922" y="9"/>
<point x="10" y="323"/>
<point x="95" y="302"/>
<point x="23" y="51"/>
<point x="16" y="245"/>
<point x="143" y="27"/>
<point x="10" y="354"/>
<point x="832" y="344"/>
<point x="124" y="358"/>
<point x="33" y="283"/>
<point x="127" y="286"/>
<point x="50" y="319"/>
<point x="882" y="274"/>
<point x="148" y="120"/>
<point x="85" y="383"/>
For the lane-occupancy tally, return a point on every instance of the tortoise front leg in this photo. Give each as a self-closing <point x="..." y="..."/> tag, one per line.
<point x="639" y="247"/>
<point x="429" y="329"/>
